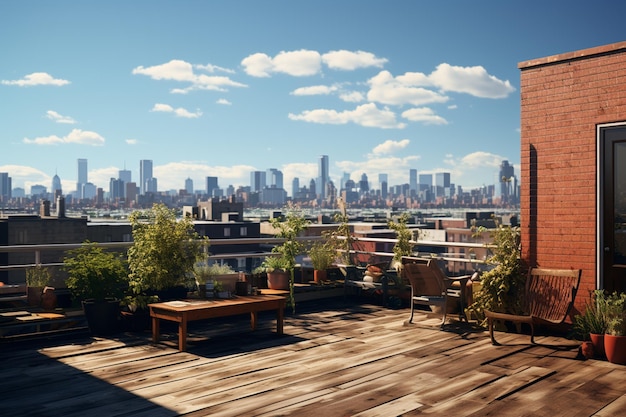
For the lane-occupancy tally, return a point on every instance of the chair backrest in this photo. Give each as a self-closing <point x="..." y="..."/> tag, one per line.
<point x="550" y="293"/>
<point x="424" y="277"/>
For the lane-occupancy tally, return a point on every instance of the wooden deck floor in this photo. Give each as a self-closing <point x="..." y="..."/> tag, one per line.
<point x="342" y="359"/>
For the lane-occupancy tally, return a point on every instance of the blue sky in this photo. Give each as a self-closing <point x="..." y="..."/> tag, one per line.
<point x="223" y="88"/>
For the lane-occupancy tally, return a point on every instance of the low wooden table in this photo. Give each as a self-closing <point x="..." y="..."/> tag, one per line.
<point x="183" y="312"/>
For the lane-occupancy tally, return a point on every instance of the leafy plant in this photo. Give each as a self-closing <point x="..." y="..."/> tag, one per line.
<point x="275" y="263"/>
<point x="290" y="230"/>
<point x="502" y="287"/>
<point x="322" y="254"/>
<point x="38" y="276"/>
<point x="164" y="251"/>
<point x="593" y="319"/>
<point x="403" y="246"/>
<point x="203" y="272"/>
<point x="341" y="239"/>
<point x="616" y="315"/>
<point x="94" y="273"/>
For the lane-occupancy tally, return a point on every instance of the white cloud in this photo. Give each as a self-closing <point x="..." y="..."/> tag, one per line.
<point x="352" y="97"/>
<point x="224" y="102"/>
<point x="295" y="63"/>
<point x="76" y="136"/>
<point x="367" y="115"/>
<point x="36" y="78"/>
<point x="348" y="60"/>
<point x="470" y="80"/>
<point x="132" y="141"/>
<point x="406" y="89"/>
<point x="179" y="112"/>
<point x="424" y="115"/>
<point x="182" y="71"/>
<point x="314" y="90"/>
<point x="390" y="146"/>
<point x="482" y="159"/>
<point x="52" y="115"/>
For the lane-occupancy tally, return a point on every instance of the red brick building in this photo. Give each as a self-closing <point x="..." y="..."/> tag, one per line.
<point x="573" y="165"/>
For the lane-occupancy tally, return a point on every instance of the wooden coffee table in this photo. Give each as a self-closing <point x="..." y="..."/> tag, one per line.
<point x="185" y="311"/>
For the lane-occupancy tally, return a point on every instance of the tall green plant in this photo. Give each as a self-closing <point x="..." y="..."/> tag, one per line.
<point x="502" y="287"/>
<point x="164" y="251"/>
<point x="290" y="229"/>
<point x="403" y="246"/>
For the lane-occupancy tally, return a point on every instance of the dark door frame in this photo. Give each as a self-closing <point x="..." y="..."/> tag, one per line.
<point x="604" y="251"/>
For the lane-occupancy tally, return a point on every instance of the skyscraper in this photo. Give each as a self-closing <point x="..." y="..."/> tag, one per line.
<point x="211" y="186"/>
<point x="383" y="185"/>
<point x="56" y="187"/>
<point x="82" y="177"/>
<point x="5" y="186"/>
<point x="145" y="175"/>
<point x="125" y="176"/>
<point x="412" y="181"/>
<point x="323" y="176"/>
<point x="274" y="178"/>
<point x="189" y="186"/>
<point x="257" y="181"/>
<point x="505" y="180"/>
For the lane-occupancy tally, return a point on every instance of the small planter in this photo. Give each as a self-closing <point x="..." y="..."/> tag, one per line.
<point x="33" y="296"/>
<point x="319" y="276"/>
<point x="587" y="350"/>
<point x="615" y="348"/>
<point x="278" y="280"/>
<point x="598" y="344"/>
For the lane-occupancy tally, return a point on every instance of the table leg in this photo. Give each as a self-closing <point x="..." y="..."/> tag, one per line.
<point x="280" y="314"/>
<point x="253" y="319"/>
<point x="155" y="329"/>
<point x="182" y="334"/>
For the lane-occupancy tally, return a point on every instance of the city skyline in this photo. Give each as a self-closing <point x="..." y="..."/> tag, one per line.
<point x="271" y="177"/>
<point x="223" y="89"/>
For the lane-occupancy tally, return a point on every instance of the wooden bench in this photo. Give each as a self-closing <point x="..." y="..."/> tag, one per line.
<point x="549" y="295"/>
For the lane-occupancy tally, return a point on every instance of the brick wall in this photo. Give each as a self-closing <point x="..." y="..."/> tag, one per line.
<point x="563" y="98"/>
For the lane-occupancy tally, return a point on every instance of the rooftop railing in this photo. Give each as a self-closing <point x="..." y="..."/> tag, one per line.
<point x="460" y="261"/>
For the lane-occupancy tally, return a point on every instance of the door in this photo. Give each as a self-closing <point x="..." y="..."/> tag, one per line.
<point x="613" y="188"/>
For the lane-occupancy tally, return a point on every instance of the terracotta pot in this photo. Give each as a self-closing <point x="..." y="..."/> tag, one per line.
<point x="319" y="276"/>
<point x="615" y="348"/>
<point x="586" y="350"/>
<point x="278" y="280"/>
<point x="598" y="344"/>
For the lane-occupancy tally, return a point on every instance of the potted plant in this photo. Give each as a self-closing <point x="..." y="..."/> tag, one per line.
<point x="164" y="252"/>
<point x="223" y="274"/>
<point x="37" y="279"/>
<point x="277" y="270"/>
<point x="591" y="324"/>
<point x="97" y="279"/>
<point x="501" y="287"/>
<point x="322" y="254"/>
<point x="615" y="337"/>
<point x="289" y="229"/>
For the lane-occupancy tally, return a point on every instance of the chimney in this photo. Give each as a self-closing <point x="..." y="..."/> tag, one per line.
<point x="44" y="208"/>
<point x="60" y="207"/>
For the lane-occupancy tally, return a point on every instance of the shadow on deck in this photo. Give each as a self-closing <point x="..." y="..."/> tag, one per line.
<point x="337" y="358"/>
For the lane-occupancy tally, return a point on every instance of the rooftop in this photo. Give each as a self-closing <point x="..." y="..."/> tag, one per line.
<point x="336" y="358"/>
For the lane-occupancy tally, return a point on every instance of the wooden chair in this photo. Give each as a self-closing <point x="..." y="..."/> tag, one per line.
<point x="549" y="295"/>
<point x="431" y="287"/>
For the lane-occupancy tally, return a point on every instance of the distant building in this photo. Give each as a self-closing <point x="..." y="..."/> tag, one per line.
<point x="5" y="186"/>
<point x="323" y="177"/>
<point x="145" y="175"/>
<point x="82" y="177"/>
